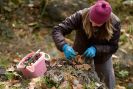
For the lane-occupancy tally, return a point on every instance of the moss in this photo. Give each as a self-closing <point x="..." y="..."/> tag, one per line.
<point x="49" y="83"/>
<point x="4" y="61"/>
<point x="2" y="86"/>
<point x="123" y="38"/>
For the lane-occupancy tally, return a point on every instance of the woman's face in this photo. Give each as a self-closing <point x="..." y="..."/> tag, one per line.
<point x="95" y="24"/>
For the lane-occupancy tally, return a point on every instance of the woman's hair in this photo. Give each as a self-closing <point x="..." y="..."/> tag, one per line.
<point x="106" y="31"/>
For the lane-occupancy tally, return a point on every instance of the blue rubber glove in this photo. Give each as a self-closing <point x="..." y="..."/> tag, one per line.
<point x="90" y="52"/>
<point x="69" y="52"/>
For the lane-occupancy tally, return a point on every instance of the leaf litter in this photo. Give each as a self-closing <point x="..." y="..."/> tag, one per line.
<point x="78" y="73"/>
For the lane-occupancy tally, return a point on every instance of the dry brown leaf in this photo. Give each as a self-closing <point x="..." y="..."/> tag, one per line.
<point x="83" y="66"/>
<point x="73" y="63"/>
<point x="78" y="66"/>
<point x="16" y="60"/>
<point x="53" y="62"/>
<point x="11" y="69"/>
<point x="12" y="82"/>
<point x="69" y="77"/>
<point x="123" y="50"/>
<point x="80" y="59"/>
<point x="42" y="86"/>
<point x="120" y="87"/>
<point x="86" y="66"/>
<point x="131" y="79"/>
<point x="130" y="62"/>
<point x="33" y="23"/>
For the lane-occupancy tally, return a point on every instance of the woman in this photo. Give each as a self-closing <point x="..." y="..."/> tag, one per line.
<point x="97" y="35"/>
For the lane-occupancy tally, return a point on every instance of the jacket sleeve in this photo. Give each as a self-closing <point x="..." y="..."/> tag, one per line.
<point x="64" y="28"/>
<point x="112" y="45"/>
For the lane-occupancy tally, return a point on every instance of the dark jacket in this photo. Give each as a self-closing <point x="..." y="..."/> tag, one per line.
<point x="104" y="48"/>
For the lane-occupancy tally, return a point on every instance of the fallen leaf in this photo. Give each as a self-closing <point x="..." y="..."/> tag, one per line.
<point x="120" y="87"/>
<point x="14" y="81"/>
<point x="16" y="60"/>
<point x="131" y="79"/>
<point x="78" y="66"/>
<point x="11" y="69"/>
<point x="86" y="66"/>
<point x="115" y="57"/>
<point x="80" y="59"/>
<point x="123" y="50"/>
<point x="53" y="62"/>
<point x="32" y="24"/>
<point x="130" y="62"/>
<point x="98" y="84"/>
<point x="30" y="5"/>
<point x="69" y="77"/>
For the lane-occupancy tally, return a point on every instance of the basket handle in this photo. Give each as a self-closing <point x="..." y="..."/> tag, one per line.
<point x="47" y="57"/>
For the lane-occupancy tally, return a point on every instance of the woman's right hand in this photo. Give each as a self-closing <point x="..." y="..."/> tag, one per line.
<point x="69" y="52"/>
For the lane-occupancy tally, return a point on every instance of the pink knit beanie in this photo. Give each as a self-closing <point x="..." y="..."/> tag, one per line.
<point x="100" y="12"/>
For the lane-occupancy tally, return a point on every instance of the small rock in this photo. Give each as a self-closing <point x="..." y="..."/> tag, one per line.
<point x="75" y="82"/>
<point x="2" y="70"/>
<point x="130" y="86"/>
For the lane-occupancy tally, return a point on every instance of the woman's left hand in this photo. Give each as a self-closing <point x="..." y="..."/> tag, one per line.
<point x="90" y="52"/>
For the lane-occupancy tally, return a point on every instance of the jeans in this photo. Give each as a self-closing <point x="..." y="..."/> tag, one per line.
<point x="105" y="72"/>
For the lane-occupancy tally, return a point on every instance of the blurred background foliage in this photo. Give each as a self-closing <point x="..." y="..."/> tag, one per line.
<point x="15" y="9"/>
